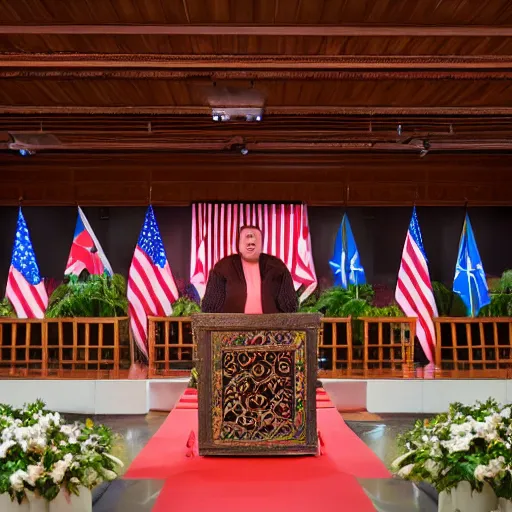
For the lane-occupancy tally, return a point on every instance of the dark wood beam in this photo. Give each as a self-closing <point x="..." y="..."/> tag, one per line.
<point x="297" y="110"/>
<point x="245" y="74"/>
<point x="213" y="62"/>
<point x="266" y="30"/>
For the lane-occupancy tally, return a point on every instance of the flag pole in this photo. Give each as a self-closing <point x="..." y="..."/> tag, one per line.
<point x="355" y="275"/>
<point x="471" y="305"/>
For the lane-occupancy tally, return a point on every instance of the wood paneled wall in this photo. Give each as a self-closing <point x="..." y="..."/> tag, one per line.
<point x="369" y="179"/>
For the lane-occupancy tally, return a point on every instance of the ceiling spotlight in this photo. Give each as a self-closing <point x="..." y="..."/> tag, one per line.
<point x="27" y="152"/>
<point x="247" y="114"/>
<point x="399" y="129"/>
<point x="244" y="151"/>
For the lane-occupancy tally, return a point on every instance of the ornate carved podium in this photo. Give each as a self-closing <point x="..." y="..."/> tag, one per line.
<point x="257" y="376"/>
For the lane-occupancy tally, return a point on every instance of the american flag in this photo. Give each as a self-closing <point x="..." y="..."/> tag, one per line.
<point x="414" y="292"/>
<point x="151" y="286"/>
<point x="285" y="235"/>
<point x="25" y="288"/>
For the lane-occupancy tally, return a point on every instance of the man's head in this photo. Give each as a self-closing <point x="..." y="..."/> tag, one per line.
<point x="250" y="243"/>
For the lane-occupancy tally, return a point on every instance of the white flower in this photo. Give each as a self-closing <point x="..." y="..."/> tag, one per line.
<point x="60" y="468"/>
<point x="90" y="477"/>
<point x="432" y="467"/>
<point x="114" y="459"/>
<point x="406" y="470"/>
<point x="4" y="448"/>
<point x="494" y="467"/>
<point x="396" y="463"/>
<point x="16" y="480"/>
<point x="108" y="474"/>
<point x="34" y="472"/>
<point x="505" y="413"/>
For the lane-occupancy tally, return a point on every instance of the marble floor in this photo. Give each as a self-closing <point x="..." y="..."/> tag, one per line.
<point x="378" y="432"/>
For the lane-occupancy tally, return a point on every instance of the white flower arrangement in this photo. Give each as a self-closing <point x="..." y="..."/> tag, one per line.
<point x="41" y="453"/>
<point x="469" y="443"/>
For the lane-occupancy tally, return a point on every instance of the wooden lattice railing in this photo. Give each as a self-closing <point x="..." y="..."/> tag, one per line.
<point x="65" y="347"/>
<point x="100" y="347"/>
<point x="474" y="343"/>
<point x="171" y="346"/>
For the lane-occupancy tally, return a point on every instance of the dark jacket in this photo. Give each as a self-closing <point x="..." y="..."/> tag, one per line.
<point x="226" y="291"/>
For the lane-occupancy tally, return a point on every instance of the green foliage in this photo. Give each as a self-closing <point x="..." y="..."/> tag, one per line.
<point x="501" y="298"/>
<point x="448" y="303"/>
<point x="42" y="454"/>
<point x="6" y="309"/>
<point x="185" y="307"/>
<point x="340" y="302"/>
<point x="95" y="296"/>
<point x="468" y="443"/>
<point x="194" y="378"/>
<point x="354" y="302"/>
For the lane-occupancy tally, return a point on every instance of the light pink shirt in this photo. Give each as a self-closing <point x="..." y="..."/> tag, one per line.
<point x="253" y="279"/>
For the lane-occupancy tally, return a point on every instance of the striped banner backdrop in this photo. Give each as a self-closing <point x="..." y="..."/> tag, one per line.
<point x="285" y="235"/>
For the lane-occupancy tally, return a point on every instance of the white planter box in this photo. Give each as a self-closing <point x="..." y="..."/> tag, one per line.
<point x="463" y="499"/>
<point x="66" y="502"/>
<point x="6" y="505"/>
<point x="504" y="505"/>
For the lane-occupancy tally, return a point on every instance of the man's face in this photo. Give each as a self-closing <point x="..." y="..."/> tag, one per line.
<point x="250" y="244"/>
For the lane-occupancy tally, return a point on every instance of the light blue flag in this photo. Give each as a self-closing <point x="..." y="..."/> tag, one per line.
<point x="345" y="263"/>
<point x="469" y="281"/>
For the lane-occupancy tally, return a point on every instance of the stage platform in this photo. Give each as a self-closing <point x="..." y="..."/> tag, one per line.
<point x="375" y="395"/>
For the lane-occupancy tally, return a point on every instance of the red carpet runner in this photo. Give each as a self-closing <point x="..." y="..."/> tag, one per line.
<point x="196" y="484"/>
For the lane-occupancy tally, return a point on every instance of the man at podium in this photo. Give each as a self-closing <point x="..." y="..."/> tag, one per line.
<point x="250" y="281"/>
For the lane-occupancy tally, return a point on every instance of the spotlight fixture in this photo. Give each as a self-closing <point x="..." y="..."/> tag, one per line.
<point x="27" y="152"/>
<point x="244" y="151"/>
<point x="248" y="114"/>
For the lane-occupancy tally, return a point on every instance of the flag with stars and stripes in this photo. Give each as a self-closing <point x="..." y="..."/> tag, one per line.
<point x="414" y="292"/>
<point x="25" y="287"/>
<point x="151" y="286"/>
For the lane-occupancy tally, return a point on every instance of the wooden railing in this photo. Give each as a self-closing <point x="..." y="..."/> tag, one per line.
<point x="171" y="346"/>
<point x="101" y="348"/>
<point x="474" y="343"/>
<point x="65" y="347"/>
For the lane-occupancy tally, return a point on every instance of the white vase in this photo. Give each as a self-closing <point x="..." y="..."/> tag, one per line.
<point x="7" y="505"/>
<point x="462" y="499"/>
<point x="36" y="503"/>
<point x="504" y="505"/>
<point x="69" y="502"/>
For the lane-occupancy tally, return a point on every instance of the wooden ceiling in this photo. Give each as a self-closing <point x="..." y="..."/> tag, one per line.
<point x="335" y="75"/>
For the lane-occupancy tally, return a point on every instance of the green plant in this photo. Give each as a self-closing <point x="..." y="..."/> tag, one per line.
<point x="185" y="307"/>
<point x="6" y="309"/>
<point x="469" y="443"/>
<point x="448" y="303"/>
<point x="194" y="378"/>
<point x="43" y="454"/>
<point x="340" y="302"/>
<point x="354" y="302"/>
<point x="501" y="298"/>
<point x="94" y="296"/>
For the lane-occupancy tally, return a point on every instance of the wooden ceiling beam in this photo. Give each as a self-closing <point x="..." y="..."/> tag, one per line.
<point x="291" y="110"/>
<point x="265" y="62"/>
<point x="368" y="30"/>
<point x="246" y="74"/>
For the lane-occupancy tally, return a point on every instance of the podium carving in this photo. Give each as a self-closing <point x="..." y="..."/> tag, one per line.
<point x="257" y="383"/>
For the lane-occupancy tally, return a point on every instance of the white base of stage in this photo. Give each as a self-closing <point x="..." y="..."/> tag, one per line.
<point x="140" y="396"/>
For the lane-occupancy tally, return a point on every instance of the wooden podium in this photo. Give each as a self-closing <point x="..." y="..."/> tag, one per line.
<point x="257" y="383"/>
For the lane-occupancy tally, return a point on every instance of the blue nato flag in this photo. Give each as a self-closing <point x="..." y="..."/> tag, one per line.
<point x="469" y="281"/>
<point x="346" y="263"/>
